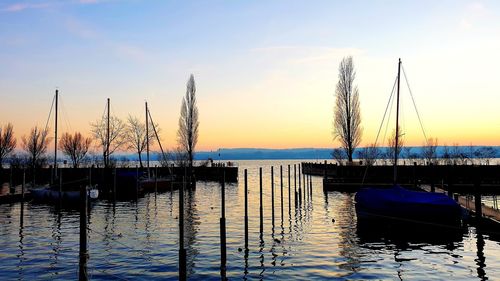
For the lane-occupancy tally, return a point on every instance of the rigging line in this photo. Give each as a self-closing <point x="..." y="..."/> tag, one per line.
<point x="388" y="119"/>
<point x="50" y="113"/>
<point x="381" y="124"/>
<point x="414" y="104"/>
<point x="65" y="115"/>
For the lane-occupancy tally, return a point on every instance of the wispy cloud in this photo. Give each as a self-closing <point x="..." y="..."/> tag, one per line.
<point x="308" y="54"/>
<point x="27" y="5"/>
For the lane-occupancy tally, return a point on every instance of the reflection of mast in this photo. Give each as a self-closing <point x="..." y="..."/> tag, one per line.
<point x="480" y="261"/>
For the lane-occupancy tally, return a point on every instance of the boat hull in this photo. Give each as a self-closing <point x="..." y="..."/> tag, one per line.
<point x="401" y="204"/>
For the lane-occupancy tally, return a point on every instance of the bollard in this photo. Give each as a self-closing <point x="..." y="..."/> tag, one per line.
<point x="83" y="234"/>
<point x="272" y="195"/>
<point x="261" y="211"/>
<point x="246" y="211"/>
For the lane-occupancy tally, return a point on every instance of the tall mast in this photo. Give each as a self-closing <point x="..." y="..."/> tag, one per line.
<point x="55" y="137"/>
<point x="106" y="160"/>
<point x="397" y="127"/>
<point x="147" y="138"/>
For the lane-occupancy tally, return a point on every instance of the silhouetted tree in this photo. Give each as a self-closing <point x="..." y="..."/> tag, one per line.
<point x="35" y="144"/>
<point x="429" y="150"/>
<point x="187" y="135"/>
<point x="347" y="115"/>
<point x="7" y="142"/>
<point x="339" y="154"/>
<point x="75" y="147"/>
<point x="116" y="136"/>
<point x="135" y="136"/>
<point x="392" y="146"/>
<point x="369" y="154"/>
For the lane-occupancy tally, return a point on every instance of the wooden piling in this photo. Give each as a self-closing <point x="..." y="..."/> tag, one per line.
<point x="182" y="251"/>
<point x="305" y="185"/>
<point x="281" y="185"/>
<point x="114" y="184"/>
<point x="272" y="195"/>
<point x="246" y="211"/>
<point x="24" y="184"/>
<point x="83" y="235"/>
<point x="295" y="183"/>
<point x="289" y="192"/>
<point x="261" y="211"/>
<point x="300" y="187"/>
<point x="223" y="255"/>
<point x="156" y="179"/>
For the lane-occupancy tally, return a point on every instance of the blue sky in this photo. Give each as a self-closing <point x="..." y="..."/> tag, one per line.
<point x="265" y="70"/>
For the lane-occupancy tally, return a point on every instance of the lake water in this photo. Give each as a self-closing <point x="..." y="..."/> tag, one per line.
<point x="318" y="240"/>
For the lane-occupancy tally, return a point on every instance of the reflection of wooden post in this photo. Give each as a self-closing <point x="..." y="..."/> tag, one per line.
<point x="83" y="234"/>
<point x="272" y="194"/>
<point x="261" y="211"/>
<point x="246" y="211"/>
<point x="223" y="255"/>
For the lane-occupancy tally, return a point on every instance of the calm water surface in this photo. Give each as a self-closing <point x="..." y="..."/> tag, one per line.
<point x="320" y="239"/>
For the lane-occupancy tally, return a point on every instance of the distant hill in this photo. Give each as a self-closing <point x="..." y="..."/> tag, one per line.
<point x="309" y="153"/>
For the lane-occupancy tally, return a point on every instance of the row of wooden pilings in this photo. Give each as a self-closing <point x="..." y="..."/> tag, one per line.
<point x="304" y="189"/>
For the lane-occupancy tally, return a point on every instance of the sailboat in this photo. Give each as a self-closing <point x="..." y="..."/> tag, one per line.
<point x="398" y="203"/>
<point x="156" y="183"/>
<point x="55" y="193"/>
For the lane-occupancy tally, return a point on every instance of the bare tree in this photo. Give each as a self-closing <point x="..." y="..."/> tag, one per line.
<point x="429" y="150"/>
<point x="75" y="147"/>
<point x="347" y="115"/>
<point x="116" y="136"/>
<point x="339" y="155"/>
<point x="187" y="135"/>
<point x="369" y="154"/>
<point x="135" y="136"/>
<point x="485" y="153"/>
<point x="35" y="144"/>
<point x="392" y="146"/>
<point x="7" y="142"/>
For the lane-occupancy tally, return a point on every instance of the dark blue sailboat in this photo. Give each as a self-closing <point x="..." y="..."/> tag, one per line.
<point x="400" y="204"/>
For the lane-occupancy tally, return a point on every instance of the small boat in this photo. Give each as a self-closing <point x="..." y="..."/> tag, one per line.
<point x="398" y="203"/>
<point x="53" y="195"/>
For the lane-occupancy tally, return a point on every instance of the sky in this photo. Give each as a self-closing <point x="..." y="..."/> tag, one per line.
<point x="265" y="71"/>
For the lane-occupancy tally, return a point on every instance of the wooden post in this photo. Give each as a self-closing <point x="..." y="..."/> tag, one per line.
<point x="300" y="187"/>
<point x="246" y="211"/>
<point x="156" y="179"/>
<point x="295" y="183"/>
<point x="60" y="187"/>
<point x="477" y="194"/>
<point x="281" y="184"/>
<point x="261" y="211"/>
<point x="272" y="195"/>
<point x="24" y="184"/>
<point x="304" y="181"/>
<point x="289" y="192"/>
<point x="182" y="251"/>
<point x="11" y="189"/>
<point x="83" y="234"/>
<point x="114" y="183"/>
<point x="223" y="255"/>
<point x="137" y="181"/>
<point x="433" y="173"/>
<point x="414" y="174"/>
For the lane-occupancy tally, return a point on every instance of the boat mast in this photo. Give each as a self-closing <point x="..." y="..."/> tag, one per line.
<point x="397" y="127"/>
<point x="147" y="139"/>
<point x="55" y="137"/>
<point x="106" y="160"/>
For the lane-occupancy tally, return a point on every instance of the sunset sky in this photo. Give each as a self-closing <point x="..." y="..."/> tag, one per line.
<point x="265" y="70"/>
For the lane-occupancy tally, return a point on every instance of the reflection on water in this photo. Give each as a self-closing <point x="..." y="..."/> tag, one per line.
<point x="317" y="238"/>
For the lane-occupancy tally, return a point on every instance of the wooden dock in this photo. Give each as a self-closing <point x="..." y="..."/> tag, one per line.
<point x="469" y="204"/>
